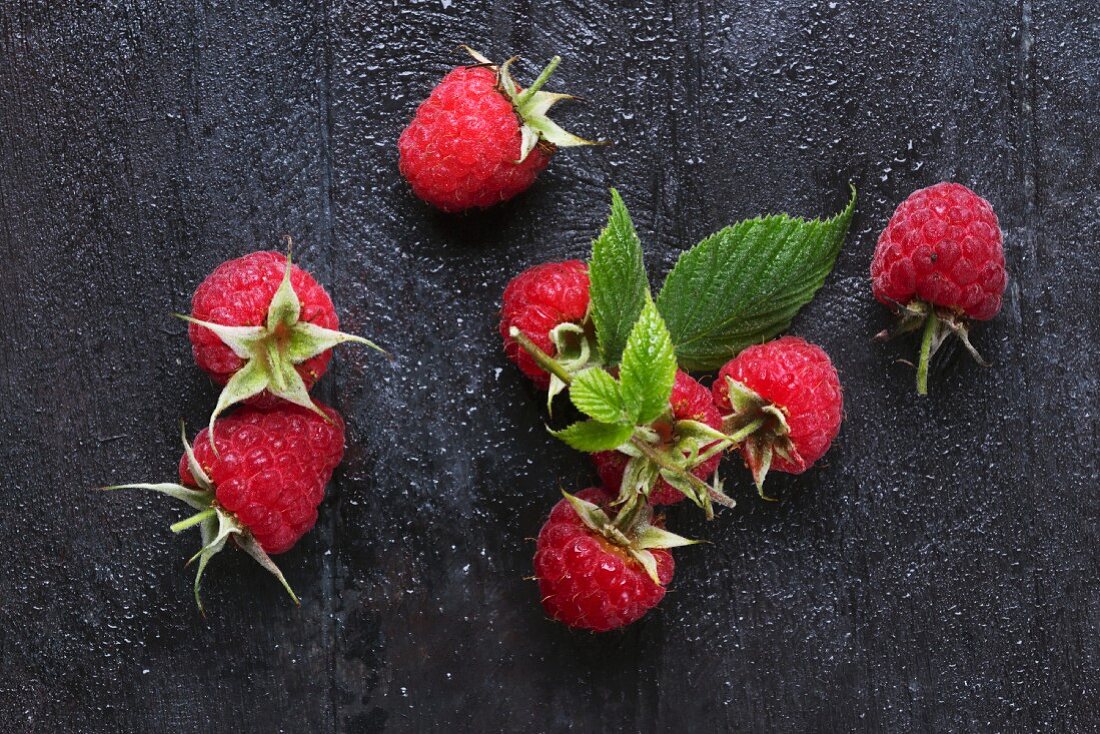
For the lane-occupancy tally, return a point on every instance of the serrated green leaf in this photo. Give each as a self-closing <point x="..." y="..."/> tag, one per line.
<point x="593" y="436"/>
<point x="744" y="284"/>
<point x="649" y="366"/>
<point x="617" y="281"/>
<point x="597" y="395"/>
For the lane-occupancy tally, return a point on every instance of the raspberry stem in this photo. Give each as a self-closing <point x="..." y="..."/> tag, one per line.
<point x="745" y="432"/>
<point x="537" y="84"/>
<point x="717" y="447"/>
<point x="541" y="358"/>
<point x="702" y="487"/>
<point x="931" y="325"/>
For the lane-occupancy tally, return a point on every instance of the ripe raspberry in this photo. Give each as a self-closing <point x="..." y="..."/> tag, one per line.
<point x="263" y="328"/>
<point x="939" y="262"/>
<point x="270" y="469"/>
<point x="586" y="580"/>
<point x="479" y="139"/>
<point x="784" y="402"/>
<point x="260" y="482"/>
<point x="549" y="305"/>
<point x="690" y="401"/>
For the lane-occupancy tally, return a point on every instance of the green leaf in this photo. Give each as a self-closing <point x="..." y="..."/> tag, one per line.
<point x="618" y="285"/>
<point x="649" y="366"/>
<point x="597" y="395"/>
<point x="593" y="436"/>
<point x="744" y="284"/>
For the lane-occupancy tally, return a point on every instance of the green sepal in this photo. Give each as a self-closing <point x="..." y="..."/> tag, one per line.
<point x="759" y="459"/>
<point x="595" y="519"/>
<point x="215" y="532"/>
<point x="679" y="479"/>
<point x="249" y="545"/>
<point x="639" y="476"/>
<point x="648" y="561"/>
<point x="652" y="536"/>
<point x="197" y="472"/>
<point x="631" y="531"/>
<point x="575" y="354"/>
<point x="532" y="106"/>
<point x="697" y="430"/>
<point x="196" y="498"/>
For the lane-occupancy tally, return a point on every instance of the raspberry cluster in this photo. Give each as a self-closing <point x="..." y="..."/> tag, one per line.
<point x="263" y="329"/>
<point x="603" y="558"/>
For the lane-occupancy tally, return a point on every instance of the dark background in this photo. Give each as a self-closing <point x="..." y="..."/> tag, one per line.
<point x="937" y="573"/>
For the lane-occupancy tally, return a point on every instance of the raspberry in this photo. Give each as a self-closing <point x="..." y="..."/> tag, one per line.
<point x="939" y="262"/>
<point x="270" y="469"/>
<point x="689" y="401"/>
<point x="259" y="483"/>
<point x="264" y="329"/>
<point x="479" y="139"/>
<point x="783" y="400"/>
<point x="943" y="247"/>
<point x="537" y="302"/>
<point x="238" y="293"/>
<point x="587" y="581"/>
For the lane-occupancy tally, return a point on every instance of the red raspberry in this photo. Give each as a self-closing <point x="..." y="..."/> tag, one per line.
<point x="792" y="388"/>
<point x="942" y="247"/>
<point x="271" y="468"/>
<point x="479" y="139"/>
<point x="264" y="329"/>
<point x="537" y="301"/>
<point x="588" y="582"/>
<point x="238" y="293"/>
<point x="939" y="262"/>
<point x="262" y="484"/>
<point x="690" y="401"/>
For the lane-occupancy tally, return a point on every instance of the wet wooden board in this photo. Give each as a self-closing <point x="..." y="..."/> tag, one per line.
<point x="938" y="573"/>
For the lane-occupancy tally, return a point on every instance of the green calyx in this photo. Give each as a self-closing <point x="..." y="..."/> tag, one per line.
<point x="272" y="351"/>
<point x="671" y="450"/>
<point x="631" y="531"/>
<point x="935" y="325"/>
<point x="532" y="107"/>
<point x="575" y="345"/>
<point x="760" y="427"/>
<point x="216" y="524"/>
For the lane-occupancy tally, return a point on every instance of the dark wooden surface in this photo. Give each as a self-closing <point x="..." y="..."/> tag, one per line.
<point x="939" y="573"/>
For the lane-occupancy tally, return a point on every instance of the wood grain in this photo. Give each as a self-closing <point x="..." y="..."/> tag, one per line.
<point x="937" y="574"/>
